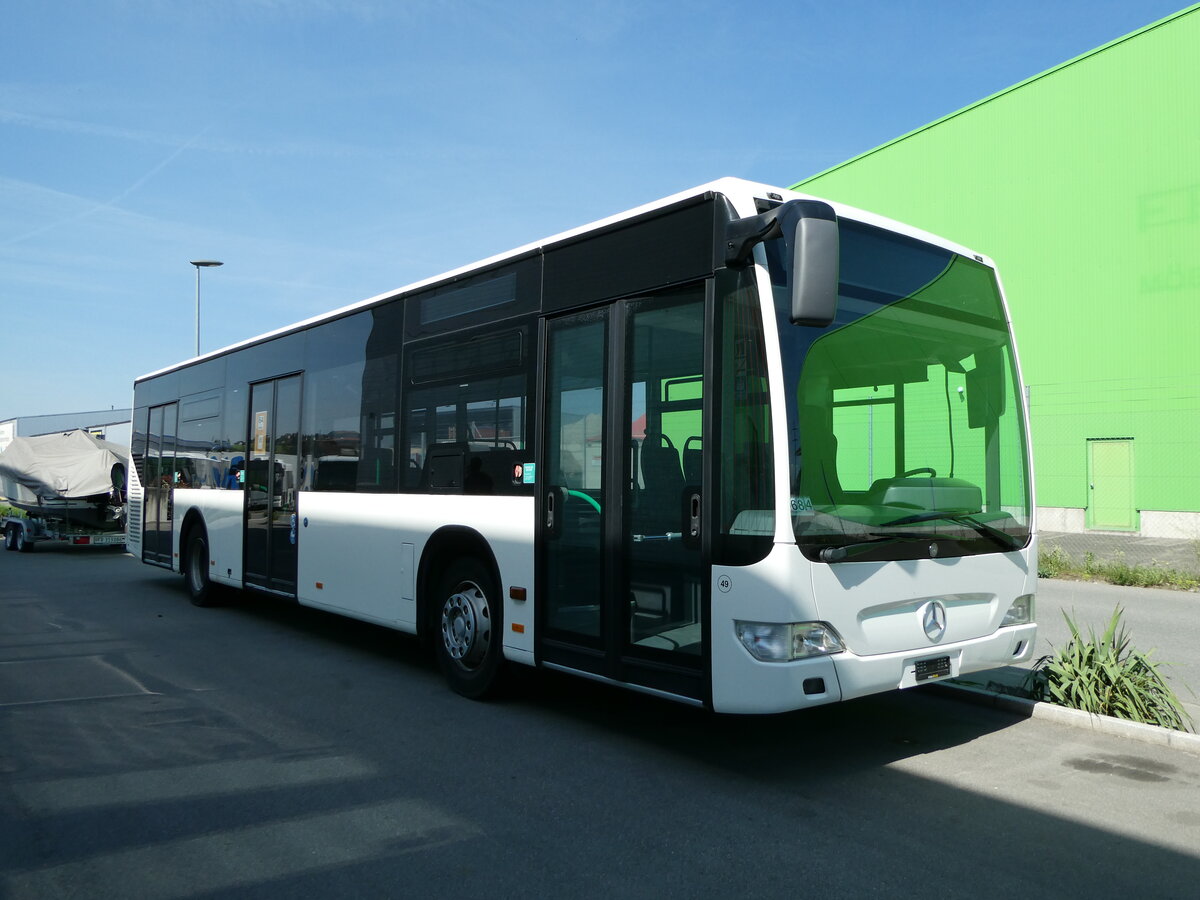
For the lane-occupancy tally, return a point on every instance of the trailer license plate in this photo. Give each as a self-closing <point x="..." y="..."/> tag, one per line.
<point x="933" y="668"/>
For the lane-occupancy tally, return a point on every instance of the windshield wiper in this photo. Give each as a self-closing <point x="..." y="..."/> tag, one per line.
<point x="1003" y="538"/>
<point x="837" y="554"/>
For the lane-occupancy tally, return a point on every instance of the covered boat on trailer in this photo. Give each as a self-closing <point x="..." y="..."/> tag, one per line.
<point x="58" y="486"/>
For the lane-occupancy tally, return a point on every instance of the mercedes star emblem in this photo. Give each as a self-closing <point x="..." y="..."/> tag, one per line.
<point x="934" y="620"/>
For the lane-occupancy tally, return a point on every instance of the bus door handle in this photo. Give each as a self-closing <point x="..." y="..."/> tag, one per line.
<point x="691" y="534"/>
<point x="556" y="501"/>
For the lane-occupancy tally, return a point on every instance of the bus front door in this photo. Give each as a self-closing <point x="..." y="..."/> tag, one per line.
<point x="272" y="468"/>
<point x="623" y="590"/>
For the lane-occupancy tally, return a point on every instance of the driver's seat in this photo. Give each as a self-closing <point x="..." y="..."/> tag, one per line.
<point x="818" y="463"/>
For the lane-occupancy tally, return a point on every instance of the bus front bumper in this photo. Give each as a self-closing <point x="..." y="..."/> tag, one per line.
<point x="741" y="684"/>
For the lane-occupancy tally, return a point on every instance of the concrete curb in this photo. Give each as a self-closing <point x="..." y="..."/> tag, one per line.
<point x="1031" y="709"/>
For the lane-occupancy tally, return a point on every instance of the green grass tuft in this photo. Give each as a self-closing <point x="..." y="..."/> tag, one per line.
<point x="1056" y="563"/>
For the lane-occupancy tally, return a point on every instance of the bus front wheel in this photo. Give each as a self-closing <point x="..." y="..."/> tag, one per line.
<point x="466" y="626"/>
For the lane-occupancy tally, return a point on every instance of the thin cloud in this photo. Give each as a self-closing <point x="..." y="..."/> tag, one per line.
<point x="197" y="141"/>
<point x="74" y="126"/>
<point x="112" y="202"/>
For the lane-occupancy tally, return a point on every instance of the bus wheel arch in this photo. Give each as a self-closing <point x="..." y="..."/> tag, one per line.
<point x="461" y="610"/>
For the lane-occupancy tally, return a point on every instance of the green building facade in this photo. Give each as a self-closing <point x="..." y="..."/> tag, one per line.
<point x="1083" y="184"/>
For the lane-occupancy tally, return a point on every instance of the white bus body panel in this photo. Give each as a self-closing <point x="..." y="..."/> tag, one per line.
<point x="222" y="512"/>
<point x="135" y="498"/>
<point x="358" y="553"/>
<point x="877" y="608"/>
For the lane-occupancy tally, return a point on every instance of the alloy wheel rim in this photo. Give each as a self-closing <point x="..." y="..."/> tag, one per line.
<point x="466" y="625"/>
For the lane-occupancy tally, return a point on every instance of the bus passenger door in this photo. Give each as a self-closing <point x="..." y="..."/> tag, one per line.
<point x="158" y="484"/>
<point x="663" y="590"/>
<point x="572" y="482"/>
<point x="272" y="484"/>
<point x="623" y="589"/>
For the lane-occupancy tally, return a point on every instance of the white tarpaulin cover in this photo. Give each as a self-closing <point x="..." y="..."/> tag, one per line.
<point x="58" y="466"/>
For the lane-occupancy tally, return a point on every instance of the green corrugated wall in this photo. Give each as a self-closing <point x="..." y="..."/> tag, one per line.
<point x="1083" y="183"/>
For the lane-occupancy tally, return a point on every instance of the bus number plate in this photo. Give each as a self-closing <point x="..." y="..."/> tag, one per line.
<point x="933" y="668"/>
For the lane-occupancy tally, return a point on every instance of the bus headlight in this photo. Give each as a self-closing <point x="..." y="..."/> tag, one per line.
<point x="787" y="641"/>
<point x="1020" y="613"/>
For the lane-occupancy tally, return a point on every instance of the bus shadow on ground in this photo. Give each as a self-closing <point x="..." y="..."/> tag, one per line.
<point x="868" y="732"/>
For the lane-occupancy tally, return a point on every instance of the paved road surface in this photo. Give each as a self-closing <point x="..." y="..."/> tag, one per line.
<point x="152" y="749"/>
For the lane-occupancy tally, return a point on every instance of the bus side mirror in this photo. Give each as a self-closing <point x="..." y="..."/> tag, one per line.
<point x="810" y="234"/>
<point x="809" y="230"/>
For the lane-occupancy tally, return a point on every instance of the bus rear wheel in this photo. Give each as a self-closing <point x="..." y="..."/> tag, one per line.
<point x="195" y="570"/>
<point x="466" y="623"/>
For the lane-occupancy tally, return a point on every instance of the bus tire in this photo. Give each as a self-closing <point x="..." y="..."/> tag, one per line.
<point x="467" y="619"/>
<point x="201" y="591"/>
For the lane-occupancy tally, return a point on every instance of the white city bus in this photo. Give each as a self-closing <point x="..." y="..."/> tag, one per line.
<point x="740" y="447"/>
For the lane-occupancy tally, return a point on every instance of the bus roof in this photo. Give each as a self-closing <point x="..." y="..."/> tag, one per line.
<point x="740" y="192"/>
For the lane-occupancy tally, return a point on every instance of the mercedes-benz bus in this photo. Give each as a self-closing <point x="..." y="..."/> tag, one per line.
<point x="739" y="447"/>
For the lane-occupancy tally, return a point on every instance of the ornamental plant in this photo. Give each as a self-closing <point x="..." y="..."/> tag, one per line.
<point x="1107" y="677"/>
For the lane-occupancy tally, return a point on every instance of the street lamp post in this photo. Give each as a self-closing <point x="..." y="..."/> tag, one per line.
<point x="201" y="264"/>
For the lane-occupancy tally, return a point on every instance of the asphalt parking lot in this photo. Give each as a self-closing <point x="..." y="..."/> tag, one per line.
<point x="152" y="749"/>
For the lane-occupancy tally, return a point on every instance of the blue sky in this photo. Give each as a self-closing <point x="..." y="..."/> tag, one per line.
<point x="329" y="151"/>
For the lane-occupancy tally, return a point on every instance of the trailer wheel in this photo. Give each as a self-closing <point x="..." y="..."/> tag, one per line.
<point x="10" y="537"/>
<point x="195" y="571"/>
<point x="21" y="543"/>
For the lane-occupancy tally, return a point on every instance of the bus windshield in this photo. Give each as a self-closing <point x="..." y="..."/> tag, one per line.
<point x="905" y="424"/>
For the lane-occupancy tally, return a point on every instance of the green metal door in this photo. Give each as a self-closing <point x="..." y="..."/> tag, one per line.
<point x="1110" y="485"/>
